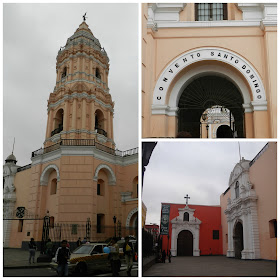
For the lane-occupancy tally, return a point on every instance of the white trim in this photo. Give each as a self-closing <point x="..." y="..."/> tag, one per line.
<point x="129" y="216"/>
<point x="110" y="173"/>
<point x="209" y="24"/>
<point x="203" y="54"/>
<point x="45" y="174"/>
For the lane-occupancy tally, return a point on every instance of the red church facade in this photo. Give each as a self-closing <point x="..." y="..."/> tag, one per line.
<point x="191" y="229"/>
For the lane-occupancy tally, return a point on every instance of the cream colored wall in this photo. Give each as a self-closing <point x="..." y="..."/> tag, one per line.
<point x="263" y="175"/>
<point x="22" y="180"/>
<point x="161" y="47"/>
<point x="223" y="203"/>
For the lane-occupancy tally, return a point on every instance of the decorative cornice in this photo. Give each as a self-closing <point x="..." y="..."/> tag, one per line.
<point x="84" y="151"/>
<point x="164" y="110"/>
<point x="89" y="97"/>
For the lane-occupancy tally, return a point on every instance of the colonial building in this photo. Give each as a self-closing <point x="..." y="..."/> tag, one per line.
<point x="79" y="184"/>
<point x="243" y="226"/>
<point x="209" y="70"/>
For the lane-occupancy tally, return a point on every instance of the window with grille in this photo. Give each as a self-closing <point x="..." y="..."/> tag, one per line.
<point x="210" y="11"/>
<point x="215" y="234"/>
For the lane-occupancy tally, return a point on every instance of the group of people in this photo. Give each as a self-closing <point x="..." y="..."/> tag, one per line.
<point x="128" y="251"/>
<point x="163" y="256"/>
<point x="62" y="255"/>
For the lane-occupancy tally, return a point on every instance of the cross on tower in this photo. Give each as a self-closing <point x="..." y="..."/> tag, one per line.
<point x="187" y="198"/>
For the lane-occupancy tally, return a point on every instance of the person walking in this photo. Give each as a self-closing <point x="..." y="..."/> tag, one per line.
<point x="79" y="242"/>
<point x="128" y="254"/>
<point x="163" y="256"/>
<point x="62" y="256"/>
<point x="49" y="247"/>
<point x="114" y="257"/>
<point x="169" y="257"/>
<point x="32" y="250"/>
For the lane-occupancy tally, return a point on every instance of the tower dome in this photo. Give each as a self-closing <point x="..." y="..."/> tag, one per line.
<point x="11" y="158"/>
<point x="81" y="107"/>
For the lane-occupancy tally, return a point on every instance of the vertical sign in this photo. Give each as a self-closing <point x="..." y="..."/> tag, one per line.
<point x="164" y="224"/>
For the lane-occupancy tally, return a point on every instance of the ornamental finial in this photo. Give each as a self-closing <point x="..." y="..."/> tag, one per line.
<point x="84" y="17"/>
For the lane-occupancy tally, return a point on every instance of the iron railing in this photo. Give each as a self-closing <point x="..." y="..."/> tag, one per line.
<point x="101" y="131"/>
<point x="57" y="130"/>
<point x="24" y="168"/>
<point x="258" y="155"/>
<point x="85" y="142"/>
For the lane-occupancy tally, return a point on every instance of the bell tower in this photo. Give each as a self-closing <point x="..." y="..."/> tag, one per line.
<point x="81" y="107"/>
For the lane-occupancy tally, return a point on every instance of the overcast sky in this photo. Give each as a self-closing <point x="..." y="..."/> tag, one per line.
<point x="199" y="169"/>
<point x="33" y="34"/>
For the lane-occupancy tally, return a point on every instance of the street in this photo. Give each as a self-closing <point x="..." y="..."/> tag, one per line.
<point x="46" y="271"/>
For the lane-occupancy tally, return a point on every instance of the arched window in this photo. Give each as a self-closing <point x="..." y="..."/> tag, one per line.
<point x="99" y="122"/>
<point x="97" y="73"/>
<point x="58" y="122"/>
<point x="100" y="187"/>
<point x="63" y="75"/>
<point x="237" y="189"/>
<point x="53" y="186"/>
<point x="273" y="228"/>
<point x="186" y="216"/>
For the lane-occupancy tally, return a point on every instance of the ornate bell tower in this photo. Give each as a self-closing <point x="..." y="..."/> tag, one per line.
<point x="81" y="106"/>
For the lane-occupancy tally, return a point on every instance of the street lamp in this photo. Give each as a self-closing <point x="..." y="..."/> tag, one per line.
<point x="115" y="219"/>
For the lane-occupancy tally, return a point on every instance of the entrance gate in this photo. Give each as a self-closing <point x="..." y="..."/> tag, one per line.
<point x="238" y="240"/>
<point x="185" y="243"/>
<point x="204" y="93"/>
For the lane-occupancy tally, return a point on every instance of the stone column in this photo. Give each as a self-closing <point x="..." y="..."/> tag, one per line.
<point x="92" y="117"/>
<point x="84" y="113"/>
<point x="261" y="120"/>
<point x="66" y="116"/>
<point x="230" y="251"/>
<point x="173" y="242"/>
<point x="74" y="114"/>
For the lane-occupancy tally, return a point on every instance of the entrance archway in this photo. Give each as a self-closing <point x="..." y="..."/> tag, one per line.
<point x="206" y="92"/>
<point x="185" y="243"/>
<point x="238" y="240"/>
<point x="224" y="131"/>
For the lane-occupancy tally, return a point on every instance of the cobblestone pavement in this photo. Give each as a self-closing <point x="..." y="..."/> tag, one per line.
<point x="212" y="266"/>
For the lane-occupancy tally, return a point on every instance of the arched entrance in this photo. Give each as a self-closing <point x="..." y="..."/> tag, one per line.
<point x="204" y="93"/>
<point x="224" y="131"/>
<point x="238" y="240"/>
<point x="185" y="243"/>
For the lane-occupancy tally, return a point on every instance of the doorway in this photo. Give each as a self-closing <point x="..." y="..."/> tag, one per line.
<point x="238" y="240"/>
<point x="185" y="243"/>
<point x="206" y="93"/>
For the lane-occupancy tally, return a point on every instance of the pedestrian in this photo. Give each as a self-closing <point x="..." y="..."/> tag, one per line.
<point x="169" y="257"/>
<point x="79" y="242"/>
<point x="62" y="256"/>
<point x="163" y="256"/>
<point x="32" y="250"/>
<point x="128" y="254"/>
<point x="114" y="257"/>
<point x="49" y="247"/>
<point x="84" y="240"/>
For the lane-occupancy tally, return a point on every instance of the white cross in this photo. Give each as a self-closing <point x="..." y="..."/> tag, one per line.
<point x="187" y="198"/>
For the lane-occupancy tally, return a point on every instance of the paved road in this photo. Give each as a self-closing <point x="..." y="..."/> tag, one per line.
<point x="212" y="266"/>
<point x="41" y="272"/>
<point x="30" y="272"/>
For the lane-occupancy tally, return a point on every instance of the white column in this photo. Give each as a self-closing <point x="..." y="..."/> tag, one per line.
<point x="230" y="251"/>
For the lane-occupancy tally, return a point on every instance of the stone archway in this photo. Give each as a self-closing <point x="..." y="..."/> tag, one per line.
<point x="46" y="172"/>
<point x="185" y="243"/>
<point x="109" y="172"/>
<point x="238" y="240"/>
<point x="178" y="74"/>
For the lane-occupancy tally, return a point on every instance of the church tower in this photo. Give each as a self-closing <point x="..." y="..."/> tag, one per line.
<point x="81" y="107"/>
<point x="79" y="184"/>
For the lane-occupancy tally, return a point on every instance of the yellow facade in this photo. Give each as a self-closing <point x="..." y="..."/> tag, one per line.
<point x="79" y="183"/>
<point x="178" y="50"/>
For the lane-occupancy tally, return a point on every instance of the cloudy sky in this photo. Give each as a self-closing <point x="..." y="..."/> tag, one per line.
<point x="32" y="36"/>
<point x="199" y="169"/>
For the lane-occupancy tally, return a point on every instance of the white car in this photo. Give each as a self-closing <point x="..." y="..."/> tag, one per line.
<point x="87" y="258"/>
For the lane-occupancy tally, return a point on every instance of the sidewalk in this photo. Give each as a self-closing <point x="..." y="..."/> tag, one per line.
<point x="18" y="258"/>
<point x="212" y="266"/>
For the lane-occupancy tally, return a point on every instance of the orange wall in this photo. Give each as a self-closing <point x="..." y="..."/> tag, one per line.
<point x="210" y="217"/>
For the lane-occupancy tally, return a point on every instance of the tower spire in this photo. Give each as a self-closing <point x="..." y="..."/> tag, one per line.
<point x="14" y="145"/>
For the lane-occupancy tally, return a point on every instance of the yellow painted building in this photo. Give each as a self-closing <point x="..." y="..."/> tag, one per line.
<point x="79" y="184"/>
<point x="198" y="58"/>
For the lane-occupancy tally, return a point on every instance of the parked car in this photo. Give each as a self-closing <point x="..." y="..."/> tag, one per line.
<point x="88" y="258"/>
